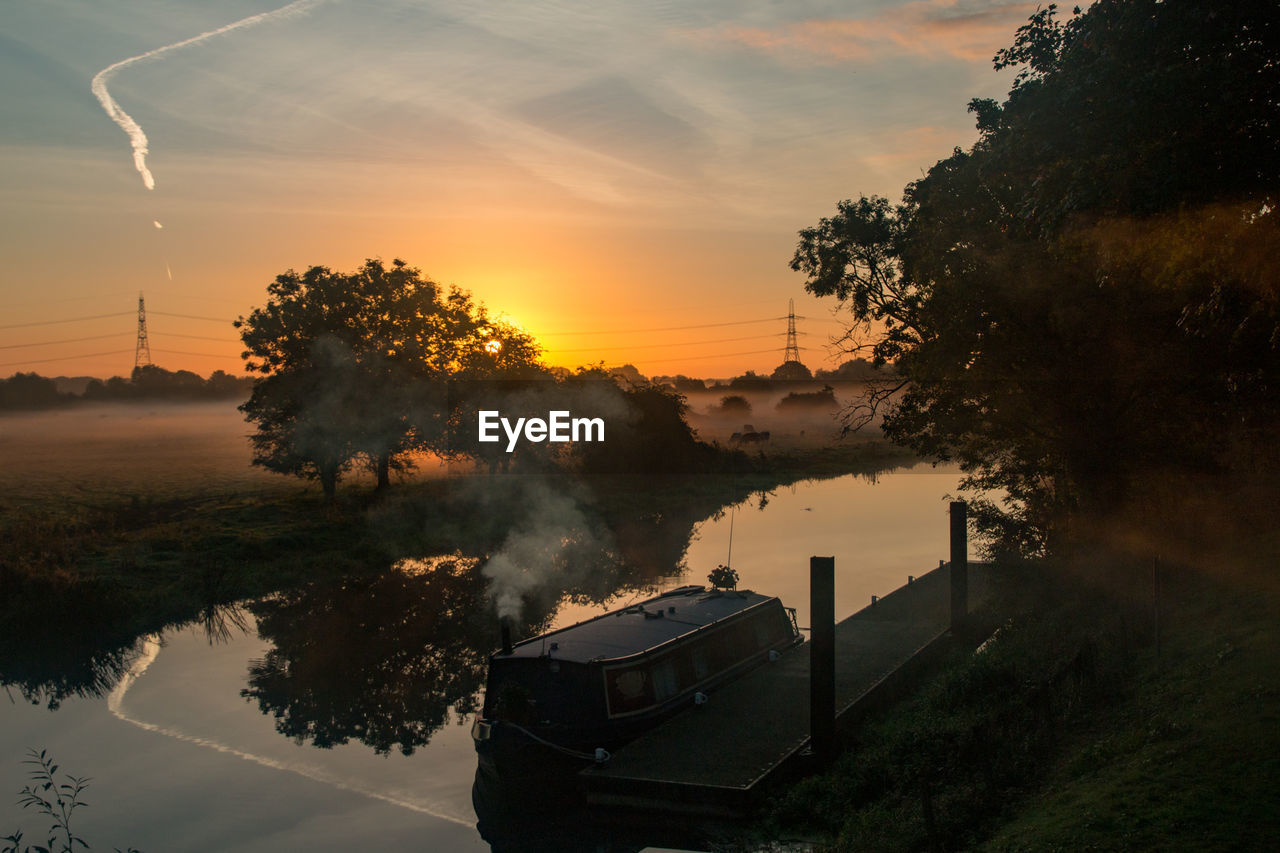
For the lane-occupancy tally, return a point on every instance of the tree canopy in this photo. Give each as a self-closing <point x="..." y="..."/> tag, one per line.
<point x="1083" y="295"/>
<point x="354" y="367"/>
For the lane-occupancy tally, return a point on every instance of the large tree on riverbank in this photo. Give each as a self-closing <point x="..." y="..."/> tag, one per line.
<point x="355" y="367"/>
<point x="1084" y="296"/>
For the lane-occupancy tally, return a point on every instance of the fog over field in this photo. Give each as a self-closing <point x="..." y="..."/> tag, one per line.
<point x="806" y="426"/>
<point x="107" y="452"/>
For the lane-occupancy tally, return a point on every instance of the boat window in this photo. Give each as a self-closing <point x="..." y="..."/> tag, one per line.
<point x="629" y="689"/>
<point x="665" y="682"/>
<point x="631" y="684"/>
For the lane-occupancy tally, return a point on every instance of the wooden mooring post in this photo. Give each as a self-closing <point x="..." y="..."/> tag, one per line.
<point x="822" y="658"/>
<point x="959" y="564"/>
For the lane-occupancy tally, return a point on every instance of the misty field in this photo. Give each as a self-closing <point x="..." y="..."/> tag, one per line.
<point x="809" y="424"/>
<point x="102" y="455"/>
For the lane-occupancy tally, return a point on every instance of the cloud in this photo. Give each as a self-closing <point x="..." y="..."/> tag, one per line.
<point x="969" y="30"/>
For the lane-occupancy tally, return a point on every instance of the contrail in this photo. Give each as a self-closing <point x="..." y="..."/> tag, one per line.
<point x="137" y="138"/>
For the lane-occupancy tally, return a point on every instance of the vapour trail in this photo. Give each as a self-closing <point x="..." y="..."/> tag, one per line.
<point x="137" y="138"/>
<point x="151" y="650"/>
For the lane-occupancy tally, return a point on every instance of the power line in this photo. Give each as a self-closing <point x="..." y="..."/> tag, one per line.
<point x="204" y="354"/>
<point x="68" y="320"/>
<point x="66" y="357"/>
<point x="117" y="335"/>
<point x="65" y="341"/>
<point x="667" y="329"/>
<point x="717" y="355"/>
<point x="678" y="344"/>
<point x="680" y="328"/>
<point x="194" y="317"/>
<point x="193" y="337"/>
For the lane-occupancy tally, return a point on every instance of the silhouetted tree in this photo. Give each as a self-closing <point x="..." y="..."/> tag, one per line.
<point x="823" y="399"/>
<point x="29" y="391"/>
<point x="355" y="366"/>
<point x="734" y="404"/>
<point x="1083" y="295"/>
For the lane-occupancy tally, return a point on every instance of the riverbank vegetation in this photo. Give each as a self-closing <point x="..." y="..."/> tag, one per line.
<point x="1082" y="312"/>
<point x="1118" y="702"/>
<point x="1085" y="298"/>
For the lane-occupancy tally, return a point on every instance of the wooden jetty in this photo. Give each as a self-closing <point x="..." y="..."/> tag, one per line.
<point x="715" y="759"/>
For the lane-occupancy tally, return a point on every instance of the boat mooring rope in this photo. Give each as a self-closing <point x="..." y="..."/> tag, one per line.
<point x="600" y="756"/>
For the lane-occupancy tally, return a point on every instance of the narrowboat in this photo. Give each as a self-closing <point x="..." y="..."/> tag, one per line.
<point x="580" y="691"/>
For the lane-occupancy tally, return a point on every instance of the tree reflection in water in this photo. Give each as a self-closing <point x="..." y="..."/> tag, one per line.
<point x="382" y="659"/>
<point x="389" y="658"/>
<point x="61" y="640"/>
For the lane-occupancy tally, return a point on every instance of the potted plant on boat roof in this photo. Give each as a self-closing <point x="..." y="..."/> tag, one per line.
<point x="723" y="577"/>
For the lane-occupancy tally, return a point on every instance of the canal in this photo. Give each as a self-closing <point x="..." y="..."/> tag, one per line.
<point x="338" y="718"/>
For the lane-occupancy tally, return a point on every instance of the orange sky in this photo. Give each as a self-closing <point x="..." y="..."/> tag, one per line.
<point x="592" y="171"/>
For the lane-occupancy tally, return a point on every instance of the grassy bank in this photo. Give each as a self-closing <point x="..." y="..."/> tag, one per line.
<point x="1073" y="729"/>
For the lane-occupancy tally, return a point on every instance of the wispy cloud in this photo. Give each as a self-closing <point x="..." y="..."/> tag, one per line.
<point x="138" y="138"/>
<point x="962" y="29"/>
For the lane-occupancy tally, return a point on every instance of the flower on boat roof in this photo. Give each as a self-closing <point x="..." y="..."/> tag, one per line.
<point x="723" y="577"/>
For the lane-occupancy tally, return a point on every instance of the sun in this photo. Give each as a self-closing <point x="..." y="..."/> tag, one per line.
<point x="493" y="346"/>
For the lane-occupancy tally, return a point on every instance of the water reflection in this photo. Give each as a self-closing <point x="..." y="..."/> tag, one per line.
<point x="223" y="623"/>
<point x="81" y="673"/>
<point x="61" y="640"/>
<point x="388" y="659"/>
<point x="384" y="660"/>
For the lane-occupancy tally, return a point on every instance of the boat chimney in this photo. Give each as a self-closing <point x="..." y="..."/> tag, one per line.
<point x="506" y="635"/>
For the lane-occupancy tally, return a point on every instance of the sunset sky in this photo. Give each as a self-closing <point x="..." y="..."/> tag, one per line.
<point x="594" y="171"/>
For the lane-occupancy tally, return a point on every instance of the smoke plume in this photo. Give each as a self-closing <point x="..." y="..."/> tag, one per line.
<point x="551" y="547"/>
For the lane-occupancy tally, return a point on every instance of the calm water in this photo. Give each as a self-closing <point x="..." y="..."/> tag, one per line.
<point x="338" y="718"/>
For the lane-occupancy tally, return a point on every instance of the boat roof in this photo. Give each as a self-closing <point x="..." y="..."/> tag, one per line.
<point x="638" y="627"/>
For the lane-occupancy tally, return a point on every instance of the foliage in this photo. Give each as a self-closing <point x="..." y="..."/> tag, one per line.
<point x="751" y="381"/>
<point x="354" y="367"/>
<point x="649" y="434"/>
<point x="150" y="382"/>
<point x="856" y="369"/>
<point x="824" y="399"/>
<point x="941" y="769"/>
<point x="734" y="404"/>
<point x="723" y="577"/>
<point x="1084" y="295"/>
<point x="30" y="391"/>
<point x="57" y="802"/>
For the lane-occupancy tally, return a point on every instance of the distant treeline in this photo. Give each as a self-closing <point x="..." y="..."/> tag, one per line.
<point x="853" y="370"/>
<point x="32" y="391"/>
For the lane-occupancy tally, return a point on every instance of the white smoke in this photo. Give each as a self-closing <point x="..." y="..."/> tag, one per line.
<point x="535" y="552"/>
<point x="137" y="138"/>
